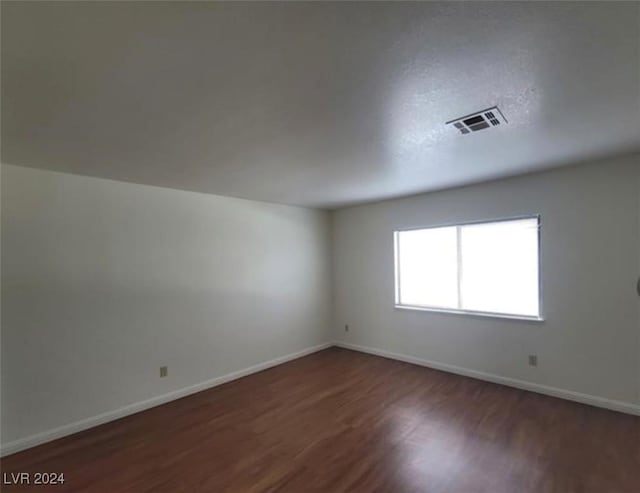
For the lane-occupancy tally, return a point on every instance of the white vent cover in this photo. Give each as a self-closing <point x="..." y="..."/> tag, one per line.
<point x="488" y="118"/>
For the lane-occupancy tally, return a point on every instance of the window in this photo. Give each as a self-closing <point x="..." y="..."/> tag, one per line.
<point x="489" y="268"/>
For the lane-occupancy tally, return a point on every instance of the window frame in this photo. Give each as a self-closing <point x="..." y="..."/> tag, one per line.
<point x="460" y="311"/>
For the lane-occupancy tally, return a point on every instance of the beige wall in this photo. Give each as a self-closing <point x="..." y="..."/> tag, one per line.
<point x="590" y="341"/>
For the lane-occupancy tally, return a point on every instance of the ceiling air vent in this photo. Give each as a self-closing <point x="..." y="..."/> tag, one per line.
<point x="491" y="117"/>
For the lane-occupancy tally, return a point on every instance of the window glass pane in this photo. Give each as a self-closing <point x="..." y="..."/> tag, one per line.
<point x="499" y="268"/>
<point x="427" y="267"/>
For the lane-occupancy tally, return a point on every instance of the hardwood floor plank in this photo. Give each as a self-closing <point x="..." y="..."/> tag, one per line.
<point x="340" y="421"/>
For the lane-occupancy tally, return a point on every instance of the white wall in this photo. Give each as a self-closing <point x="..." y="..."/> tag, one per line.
<point x="103" y="282"/>
<point x="590" y="341"/>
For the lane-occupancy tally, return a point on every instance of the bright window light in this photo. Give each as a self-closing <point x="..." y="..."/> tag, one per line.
<point x="489" y="268"/>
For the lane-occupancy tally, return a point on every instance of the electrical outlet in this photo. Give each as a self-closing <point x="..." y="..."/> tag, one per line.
<point x="533" y="360"/>
<point x="346" y="328"/>
<point x="163" y="371"/>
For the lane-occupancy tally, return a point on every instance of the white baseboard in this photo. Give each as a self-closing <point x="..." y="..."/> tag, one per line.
<point x="69" y="429"/>
<point x="620" y="406"/>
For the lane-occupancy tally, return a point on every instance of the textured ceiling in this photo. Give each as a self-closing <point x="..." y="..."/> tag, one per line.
<point x="316" y="104"/>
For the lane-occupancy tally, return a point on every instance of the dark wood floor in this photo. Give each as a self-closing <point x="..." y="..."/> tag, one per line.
<point x="344" y="421"/>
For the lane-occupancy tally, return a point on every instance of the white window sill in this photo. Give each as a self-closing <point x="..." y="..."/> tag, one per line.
<point x="525" y="318"/>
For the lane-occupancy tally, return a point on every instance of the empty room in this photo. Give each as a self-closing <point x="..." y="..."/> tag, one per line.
<point x="320" y="247"/>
